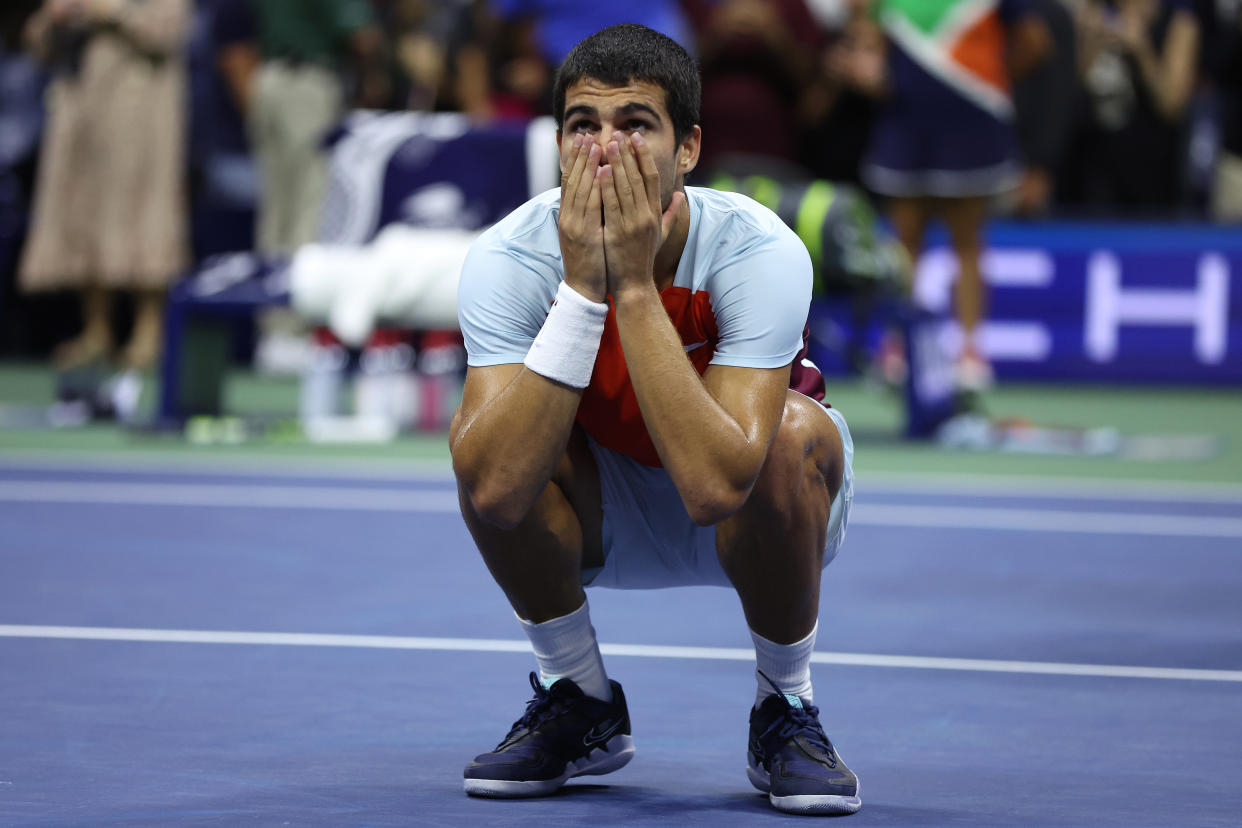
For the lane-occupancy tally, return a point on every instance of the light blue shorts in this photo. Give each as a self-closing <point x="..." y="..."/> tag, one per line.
<point x="649" y="539"/>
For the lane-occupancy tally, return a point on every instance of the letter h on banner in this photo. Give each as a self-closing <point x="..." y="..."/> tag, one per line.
<point x="1109" y="306"/>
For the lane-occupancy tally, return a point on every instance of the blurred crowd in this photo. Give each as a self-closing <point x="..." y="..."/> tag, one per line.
<point x="115" y="115"/>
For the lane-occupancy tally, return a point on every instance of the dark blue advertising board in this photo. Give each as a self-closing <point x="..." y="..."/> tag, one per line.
<point x="1105" y="302"/>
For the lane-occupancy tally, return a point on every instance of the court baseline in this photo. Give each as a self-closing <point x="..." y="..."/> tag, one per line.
<point x="386" y="642"/>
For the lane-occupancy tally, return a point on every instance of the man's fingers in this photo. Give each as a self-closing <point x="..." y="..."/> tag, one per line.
<point x="567" y="166"/>
<point x="650" y="173"/>
<point x="608" y="195"/>
<point x="595" y="195"/>
<point x="638" y="188"/>
<point x="586" y="179"/>
<point x="567" y="172"/>
<point x="620" y="175"/>
<point x="577" y="163"/>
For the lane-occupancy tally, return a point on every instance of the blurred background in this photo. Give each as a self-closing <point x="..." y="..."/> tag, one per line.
<point x="234" y="226"/>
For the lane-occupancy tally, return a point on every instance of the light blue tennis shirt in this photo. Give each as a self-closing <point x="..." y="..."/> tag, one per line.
<point x="740" y="298"/>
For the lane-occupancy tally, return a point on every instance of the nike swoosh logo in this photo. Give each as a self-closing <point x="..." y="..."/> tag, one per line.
<point x="691" y="347"/>
<point x="595" y="734"/>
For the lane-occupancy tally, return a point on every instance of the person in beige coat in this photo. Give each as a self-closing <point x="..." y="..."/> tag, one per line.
<point x="109" y="211"/>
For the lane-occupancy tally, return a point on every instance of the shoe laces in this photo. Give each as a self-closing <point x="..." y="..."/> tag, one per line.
<point x="543" y="707"/>
<point x="796" y="721"/>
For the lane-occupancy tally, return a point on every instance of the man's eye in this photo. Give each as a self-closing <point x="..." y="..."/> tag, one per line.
<point x="582" y="126"/>
<point x="637" y="126"/>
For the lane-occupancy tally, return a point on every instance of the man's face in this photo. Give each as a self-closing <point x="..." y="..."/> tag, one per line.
<point x="596" y="109"/>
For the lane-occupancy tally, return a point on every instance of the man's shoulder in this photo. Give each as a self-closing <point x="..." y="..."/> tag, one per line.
<point x="516" y="262"/>
<point x="527" y="238"/>
<point x="721" y="209"/>
<point x="531" y="225"/>
<point x="731" y="225"/>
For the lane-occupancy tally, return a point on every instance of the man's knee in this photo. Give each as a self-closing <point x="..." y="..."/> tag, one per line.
<point x="806" y="457"/>
<point x="568" y="512"/>
<point x="549" y="512"/>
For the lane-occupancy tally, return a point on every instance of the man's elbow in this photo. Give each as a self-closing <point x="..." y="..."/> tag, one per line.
<point x="502" y="514"/>
<point x="708" y="506"/>
<point x="492" y="504"/>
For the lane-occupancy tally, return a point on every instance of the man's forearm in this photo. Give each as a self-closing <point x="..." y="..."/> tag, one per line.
<point x="505" y="450"/>
<point x="711" y="458"/>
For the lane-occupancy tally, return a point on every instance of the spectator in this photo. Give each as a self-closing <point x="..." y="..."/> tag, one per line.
<point x="1045" y="124"/>
<point x="756" y="58"/>
<point x="1138" y="62"/>
<point x="13" y="17"/>
<point x="532" y="37"/>
<point x="109" y="211"/>
<point x="510" y="77"/>
<point x="475" y="77"/>
<point x="297" y="97"/>
<point x="428" y="39"/>
<point x="1226" y="202"/>
<point x="944" y="143"/>
<point x="557" y="25"/>
<point x="840" y="106"/>
<point x="223" y="62"/>
<point x="234" y="38"/>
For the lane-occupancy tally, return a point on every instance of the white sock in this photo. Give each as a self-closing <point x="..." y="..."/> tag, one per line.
<point x="788" y="665"/>
<point x="565" y="647"/>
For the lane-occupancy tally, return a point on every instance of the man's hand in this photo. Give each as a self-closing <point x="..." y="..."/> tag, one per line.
<point x="634" y="225"/>
<point x="580" y="222"/>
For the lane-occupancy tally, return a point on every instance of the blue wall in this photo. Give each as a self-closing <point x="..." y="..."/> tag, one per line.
<point x="1106" y="302"/>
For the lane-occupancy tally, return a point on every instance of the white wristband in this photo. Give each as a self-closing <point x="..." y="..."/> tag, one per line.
<point x="567" y="343"/>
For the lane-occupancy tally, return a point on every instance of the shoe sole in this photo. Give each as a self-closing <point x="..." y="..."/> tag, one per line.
<point x="804" y="803"/>
<point x="613" y="756"/>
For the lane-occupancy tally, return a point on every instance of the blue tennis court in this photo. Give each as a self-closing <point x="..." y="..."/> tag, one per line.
<point x="276" y="644"/>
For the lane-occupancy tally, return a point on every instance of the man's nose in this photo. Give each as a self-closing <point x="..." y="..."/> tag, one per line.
<point x="605" y="135"/>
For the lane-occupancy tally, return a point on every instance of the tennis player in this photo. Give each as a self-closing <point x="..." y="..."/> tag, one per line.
<point x="638" y="413"/>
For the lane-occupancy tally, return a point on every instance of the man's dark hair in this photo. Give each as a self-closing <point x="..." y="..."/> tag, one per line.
<point x="629" y="52"/>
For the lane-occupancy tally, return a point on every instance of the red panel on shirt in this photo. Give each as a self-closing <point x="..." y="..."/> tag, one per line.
<point x="609" y="408"/>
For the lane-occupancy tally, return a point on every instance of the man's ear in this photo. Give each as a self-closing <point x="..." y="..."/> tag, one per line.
<point x="688" y="150"/>
<point x="559" y="158"/>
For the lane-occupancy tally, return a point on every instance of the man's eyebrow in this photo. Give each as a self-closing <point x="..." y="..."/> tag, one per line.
<point x="580" y="109"/>
<point x="635" y="107"/>
<point x="631" y="108"/>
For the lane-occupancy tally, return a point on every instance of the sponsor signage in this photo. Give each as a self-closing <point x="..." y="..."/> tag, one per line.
<point x="1103" y="302"/>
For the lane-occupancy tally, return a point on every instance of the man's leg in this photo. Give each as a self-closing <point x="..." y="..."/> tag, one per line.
<point x="773" y="548"/>
<point x="773" y="552"/>
<point x="578" y="722"/>
<point x="539" y="563"/>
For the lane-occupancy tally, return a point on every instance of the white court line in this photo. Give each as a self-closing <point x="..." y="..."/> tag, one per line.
<point x="491" y="645"/>
<point x="986" y="485"/>
<point x="1045" y="520"/>
<point x="326" y="498"/>
<point x="339" y="498"/>
<point x="430" y="471"/>
<point x="153" y="462"/>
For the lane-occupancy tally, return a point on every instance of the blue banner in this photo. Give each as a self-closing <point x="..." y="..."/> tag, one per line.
<point x="1103" y="302"/>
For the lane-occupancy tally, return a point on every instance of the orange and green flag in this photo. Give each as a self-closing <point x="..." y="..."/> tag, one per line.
<point x="959" y="42"/>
